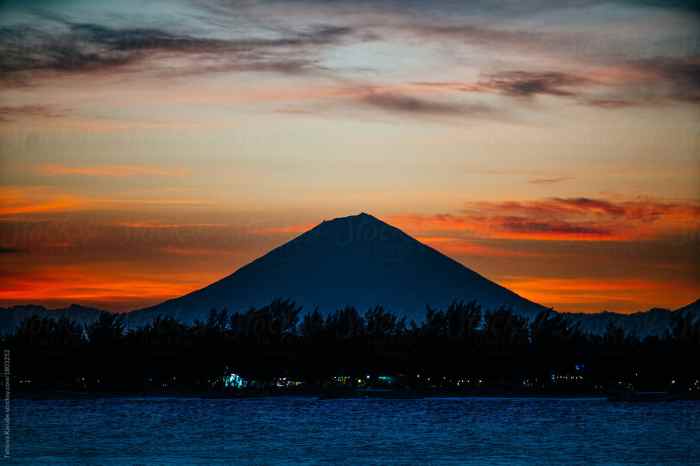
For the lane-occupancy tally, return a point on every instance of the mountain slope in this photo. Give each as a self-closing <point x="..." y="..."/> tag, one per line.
<point x="357" y="260"/>
<point x="692" y="309"/>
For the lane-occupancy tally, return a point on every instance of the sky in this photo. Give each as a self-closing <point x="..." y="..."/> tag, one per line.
<point x="149" y="148"/>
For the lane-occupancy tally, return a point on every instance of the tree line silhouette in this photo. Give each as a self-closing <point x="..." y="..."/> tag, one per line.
<point x="459" y="348"/>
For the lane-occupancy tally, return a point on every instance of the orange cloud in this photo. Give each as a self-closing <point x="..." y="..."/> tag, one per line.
<point x="19" y="201"/>
<point x="42" y="199"/>
<point x="504" y="227"/>
<point x="566" y="219"/>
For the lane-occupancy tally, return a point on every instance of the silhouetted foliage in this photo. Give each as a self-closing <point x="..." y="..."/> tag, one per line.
<point x="346" y="323"/>
<point x="461" y="347"/>
<point x="108" y="329"/>
<point x="313" y="325"/>
<point x="380" y="323"/>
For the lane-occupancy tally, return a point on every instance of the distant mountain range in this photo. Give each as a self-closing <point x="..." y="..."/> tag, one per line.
<point x="359" y="261"/>
<point x="11" y="317"/>
<point x="640" y="324"/>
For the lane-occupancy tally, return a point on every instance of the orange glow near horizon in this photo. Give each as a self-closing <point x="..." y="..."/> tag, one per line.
<point x="172" y="247"/>
<point x="115" y="289"/>
<point x="591" y="295"/>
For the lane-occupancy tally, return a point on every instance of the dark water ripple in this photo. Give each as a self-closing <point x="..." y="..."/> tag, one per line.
<point x="449" y="431"/>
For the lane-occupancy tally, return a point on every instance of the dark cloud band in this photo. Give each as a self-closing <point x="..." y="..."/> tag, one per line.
<point x="81" y="48"/>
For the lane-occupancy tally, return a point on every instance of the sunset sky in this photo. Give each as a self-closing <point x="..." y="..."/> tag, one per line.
<point x="148" y="148"/>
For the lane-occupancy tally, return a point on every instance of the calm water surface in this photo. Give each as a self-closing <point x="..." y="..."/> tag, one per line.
<point x="470" y="431"/>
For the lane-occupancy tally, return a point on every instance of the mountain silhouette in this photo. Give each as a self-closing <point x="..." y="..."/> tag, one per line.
<point x="357" y="260"/>
<point x="11" y="317"/>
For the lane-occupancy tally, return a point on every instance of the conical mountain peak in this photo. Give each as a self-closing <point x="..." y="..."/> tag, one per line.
<point x="358" y="219"/>
<point x="356" y="260"/>
<point x="362" y="227"/>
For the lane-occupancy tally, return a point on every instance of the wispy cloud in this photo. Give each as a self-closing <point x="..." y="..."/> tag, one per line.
<point x="556" y="229"/>
<point x="26" y="52"/>
<point x="567" y="219"/>
<point x="12" y="113"/>
<point x="154" y="225"/>
<point x="553" y="180"/>
<point x="483" y="36"/>
<point x="117" y="171"/>
<point x="627" y="83"/>
<point x="28" y="201"/>
<point x="531" y="83"/>
<point x="582" y="205"/>
<point x="584" y="218"/>
<point x="29" y="53"/>
<point x="402" y="103"/>
<point x="23" y="201"/>
<point x="611" y="103"/>
<point x="679" y="76"/>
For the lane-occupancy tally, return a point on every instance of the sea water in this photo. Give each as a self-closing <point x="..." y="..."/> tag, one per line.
<point x="306" y="430"/>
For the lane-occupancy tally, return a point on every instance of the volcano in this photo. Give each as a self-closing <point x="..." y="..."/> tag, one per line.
<point x="359" y="261"/>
